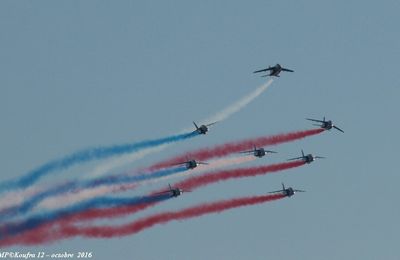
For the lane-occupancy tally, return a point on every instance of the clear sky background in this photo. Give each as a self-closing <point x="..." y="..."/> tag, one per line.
<point x="78" y="74"/>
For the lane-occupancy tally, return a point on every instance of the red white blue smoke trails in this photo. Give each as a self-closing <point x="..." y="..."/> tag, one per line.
<point x="237" y="146"/>
<point x="42" y="235"/>
<point x="191" y="183"/>
<point x="12" y="228"/>
<point x="29" y="204"/>
<point x="84" y="194"/>
<point x="85" y="156"/>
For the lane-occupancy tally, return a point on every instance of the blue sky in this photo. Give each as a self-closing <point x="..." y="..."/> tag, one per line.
<point x="79" y="74"/>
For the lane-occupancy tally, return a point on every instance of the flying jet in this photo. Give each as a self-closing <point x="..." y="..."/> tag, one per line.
<point x="306" y="158"/>
<point x="288" y="192"/>
<point x="203" y="129"/>
<point x="273" y="71"/>
<point x="174" y="192"/>
<point x="191" y="164"/>
<point x="325" y="124"/>
<point x="258" y="152"/>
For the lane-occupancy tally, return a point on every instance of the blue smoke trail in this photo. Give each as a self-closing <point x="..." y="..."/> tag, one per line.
<point x="10" y="229"/>
<point x="85" y="156"/>
<point x="71" y="186"/>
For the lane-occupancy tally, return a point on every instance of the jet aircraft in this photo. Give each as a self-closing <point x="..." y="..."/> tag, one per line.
<point x="191" y="164"/>
<point x="203" y="129"/>
<point x="174" y="192"/>
<point x="306" y="158"/>
<point x="325" y="124"/>
<point x="273" y="71"/>
<point x="258" y="152"/>
<point x="288" y="192"/>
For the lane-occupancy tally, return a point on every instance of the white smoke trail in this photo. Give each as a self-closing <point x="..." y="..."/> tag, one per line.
<point x="14" y="198"/>
<point x="240" y="104"/>
<point x="123" y="160"/>
<point x="219" y="116"/>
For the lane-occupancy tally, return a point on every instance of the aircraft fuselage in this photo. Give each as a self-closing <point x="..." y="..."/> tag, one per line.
<point x="309" y="158"/>
<point x="176" y="192"/>
<point x="327" y="125"/>
<point x="276" y="70"/>
<point x="259" y="152"/>
<point x="191" y="164"/>
<point x="202" y="129"/>
<point x="289" y="192"/>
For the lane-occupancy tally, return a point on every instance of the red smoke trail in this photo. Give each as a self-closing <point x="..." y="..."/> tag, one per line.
<point x="144" y="223"/>
<point x="229" y="148"/>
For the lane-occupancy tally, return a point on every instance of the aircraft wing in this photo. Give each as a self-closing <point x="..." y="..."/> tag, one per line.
<point x="337" y="128"/>
<point x="315" y="120"/>
<point x="162" y="192"/>
<point x="297" y="158"/>
<point x="212" y="123"/>
<point x="287" y="70"/>
<point x="277" y="191"/>
<point x="262" y="70"/>
<point x="250" y="151"/>
<point x="299" y="190"/>
<point x="178" y="163"/>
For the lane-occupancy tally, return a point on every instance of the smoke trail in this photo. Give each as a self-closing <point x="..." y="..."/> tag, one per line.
<point x="240" y="104"/>
<point x="191" y="183"/>
<point x="75" y="186"/>
<point x="87" y="155"/>
<point x="13" y="198"/>
<point x="161" y="218"/>
<point x="11" y="229"/>
<point x="70" y="198"/>
<point x="219" y="116"/>
<point x="129" y="158"/>
<point x="234" y="147"/>
<point x="64" y="200"/>
<point x="65" y="231"/>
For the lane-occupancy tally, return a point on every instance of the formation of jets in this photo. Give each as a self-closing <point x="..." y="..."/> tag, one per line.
<point x="272" y="71"/>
